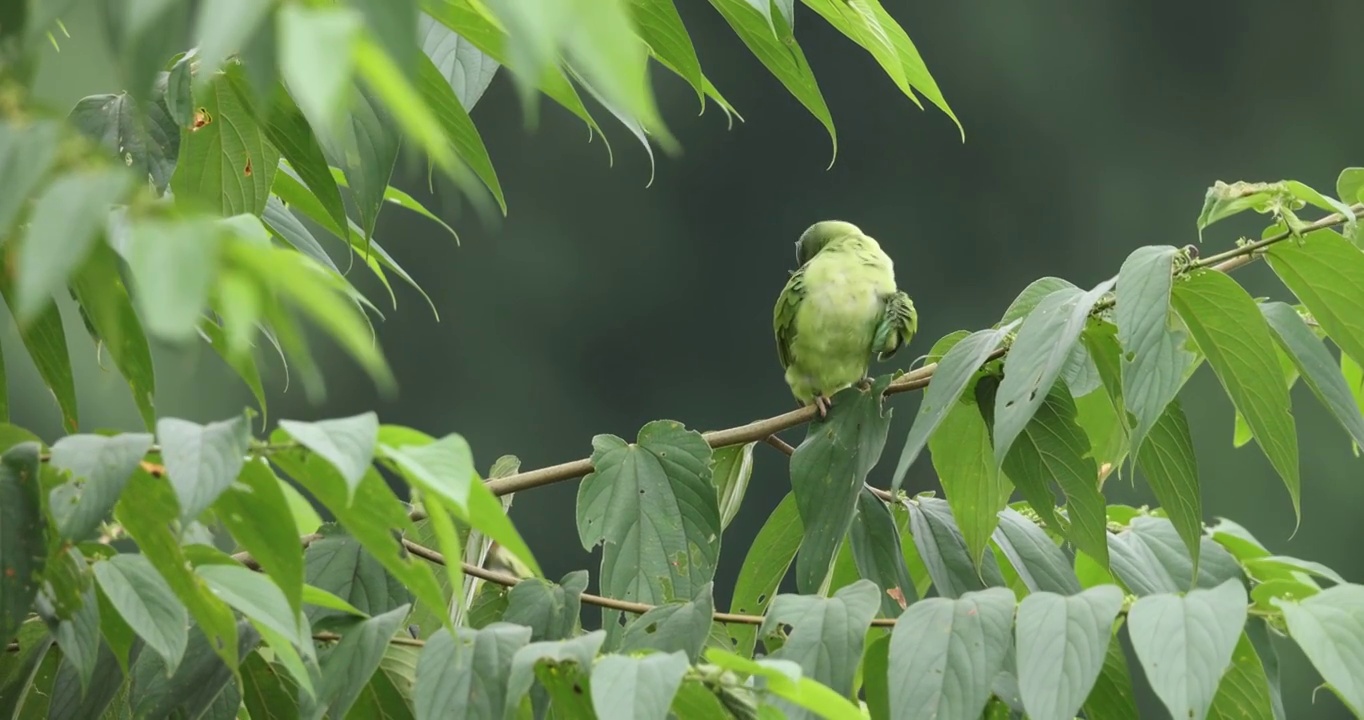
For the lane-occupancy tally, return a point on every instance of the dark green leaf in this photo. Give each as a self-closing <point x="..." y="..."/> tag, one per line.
<point x="1329" y="627"/>
<point x="68" y="700"/>
<point x="142" y="136"/>
<point x="146" y="603"/>
<point x="780" y="54"/>
<point x="764" y="566"/>
<point x="105" y="303"/>
<point x="828" y="471"/>
<point x="1244" y="690"/>
<point x="26" y="154"/>
<point x="1316" y="365"/>
<point x="674" y="626"/>
<point x="653" y="506"/>
<point x="1055" y="684"/>
<point x="347" y="443"/>
<point x="267" y="693"/>
<point x="954" y="373"/>
<point x="45" y="341"/>
<point x="733" y="469"/>
<point x="943" y="550"/>
<point x="144" y="510"/>
<point x="1113" y="696"/>
<point x="23" y="536"/>
<point x="226" y="163"/>
<point x="467" y="676"/>
<point x="625" y="688"/>
<point x="1036" y="359"/>
<point x="1054" y="449"/>
<point x="1150" y="557"/>
<point x="876" y="551"/>
<point x="368" y="152"/>
<point x="1230" y="331"/>
<point x="347" y="667"/>
<point x="202" y="461"/>
<point x="200" y="687"/>
<point x="244" y="363"/>
<point x="1171" y="469"/>
<point x="1154" y="358"/>
<point x="79" y="638"/>
<point x="550" y="610"/>
<point x="827" y="635"/>
<point x="565" y="654"/>
<point x="99" y="466"/>
<point x="26" y="673"/>
<point x="1185" y="643"/>
<point x="1040" y="564"/>
<point x="976" y="490"/>
<point x="945" y="654"/>
<point x="257" y="513"/>
<point x="783" y="679"/>
<point x="339" y="564"/>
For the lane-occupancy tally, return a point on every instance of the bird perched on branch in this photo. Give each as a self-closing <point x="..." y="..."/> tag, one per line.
<point x="838" y="309"/>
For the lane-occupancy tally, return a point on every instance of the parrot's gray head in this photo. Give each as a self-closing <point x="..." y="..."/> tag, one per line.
<point x="819" y="235"/>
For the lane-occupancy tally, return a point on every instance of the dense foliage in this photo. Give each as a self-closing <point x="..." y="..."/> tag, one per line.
<point x="219" y="571"/>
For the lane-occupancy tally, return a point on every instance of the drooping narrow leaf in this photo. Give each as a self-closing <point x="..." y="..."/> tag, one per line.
<point x="99" y="466"/>
<point x="1329" y="627"/>
<point x="976" y="490"/>
<point x="653" y="507"/>
<point x="625" y="687"/>
<point x="661" y="28"/>
<point x="879" y="557"/>
<point x="944" y="551"/>
<point x="1185" y="643"/>
<point x="950" y="379"/>
<point x="104" y="300"/>
<point x="26" y="153"/>
<point x="945" y="654"/>
<point x="768" y="559"/>
<point x="1154" y="358"/>
<point x="781" y="55"/>
<point x="1167" y="461"/>
<point x="1244" y="691"/>
<point x="828" y="470"/>
<point x="1062" y="642"/>
<point x="1316" y="365"/>
<point x="448" y="110"/>
<point x="45" y="341"/>
<point x="1040" y="564"/>
<point x="1237" y="341"/>
<point x="257" y="513"/>
<point x="1036" y="358"/>
<point x="23" y="536"/>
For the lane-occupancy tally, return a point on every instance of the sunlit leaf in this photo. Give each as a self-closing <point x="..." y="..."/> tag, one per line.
<point x="976" y="489"/>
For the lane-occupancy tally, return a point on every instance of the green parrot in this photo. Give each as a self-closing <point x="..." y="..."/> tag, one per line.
<point x="838" y="309"/>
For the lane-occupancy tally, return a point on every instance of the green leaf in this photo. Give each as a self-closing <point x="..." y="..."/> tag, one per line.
<point x="338" y="564"/>
<point x="945" y="654"/>
<point x="944" y="551"/>
<point x="1224" y="200"/>
<point x="1154" y="358"/>
<point x="202" y="461"/>
<point x="266" y="692"/>
<point x="64" y="224"/>
<point x="954" y="373"/>
<point x="1036" y="359"/>
<point x="488" y="516"/>
<point x="624" y="687"/>
<point x="733" y="469"/>
<point x="1113" y="696"/>
<point x="347" y="443"/>
<point x="78" y="637"/>
<point x="1316" y="199"/>
<point x="877" y="553"/>
<point x="1350" y="185"/>
<point x="26" y="153"/>
<point x="1054" y="449"/>
<point x="222" y="29"/>
<point x="141" y="135"/>
<point x="1185" y="643"/>
<point x="827" y="634"/>
<point x="287" y="227"/>
<point x="1150" y="558"/>
<point x="1329" y="627"/>
<point x="467" y="676"/>
<point x="304" y="514"/>
<point x="368" y="151"/>
<point x="23" y="536"/>
<point x="403" y="200"/>
<point x="550" y="610"/>
<point x="68" y="702"/>
<point x="262" y="602"/>
<point x="45" y="341"/>
<point x="444" y="468"/>
<point x="564" y="654"/>
<point x="394" y="27"/>
<point x="466" y="69"/>
<point x="653" y="506"/>
<point x="202" y="687"/>
<point x="99" y="466"/>
<point x="371" y="517"/>
<point x="256" y="512"/>
<point x="1230" y="331"/>
<point x="661" y="28"/>
<point x="975" y="488"/>
<point x="768" y="559"/>
<point x="780" y="54"/>
<point x="317" y="60"/>
<point x="146" y="602"/>
<point x="1244" y="690"/>
<point x="104" y="301"/>
<point x="1318" y="368"/>
<point x="1040" y="564"/>
<point x="783" y="679"/>
<point x="1320" y="269"/>
<point x="439" y="91"/>
<point x="828" y="471"/>
<point x="673" y="626"/>
<point x="174" y="263"/>
<point x="227" y="164"/>
<point x="1168" y="462"/>
<point x="347" y="667"/>
<point x="1055" y="681"/>
<point x="144" y="510"/>
<point x="1291" y="564"/>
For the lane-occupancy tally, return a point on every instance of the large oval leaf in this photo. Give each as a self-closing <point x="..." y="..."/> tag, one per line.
<point x="1062" y="642"/>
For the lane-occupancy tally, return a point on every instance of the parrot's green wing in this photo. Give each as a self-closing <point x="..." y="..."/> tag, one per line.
<point x="784" y="315"/>
<point x="897" y="327"/>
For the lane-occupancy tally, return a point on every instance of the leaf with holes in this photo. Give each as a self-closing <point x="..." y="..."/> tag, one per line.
<point x="1154" y="358"/>
<point x="99" y="466"/>
<point x="23" y="536"/>
<point x="673" y="626"/>
<point x="827" y="635"/>
<point x="226" y="161"/>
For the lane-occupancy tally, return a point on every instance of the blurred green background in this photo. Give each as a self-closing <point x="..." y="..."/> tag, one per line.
<point x="599" y="303"/>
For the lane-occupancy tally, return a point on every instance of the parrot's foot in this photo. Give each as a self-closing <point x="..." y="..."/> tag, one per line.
<point x="822" y="405"/>
<point x="864" y="384"/>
